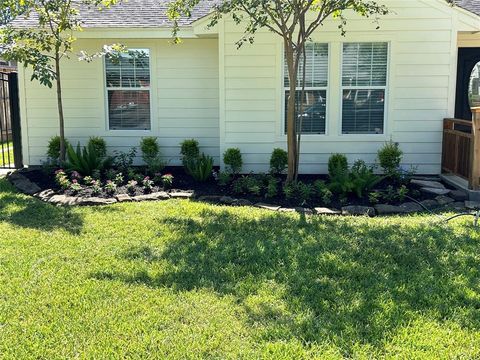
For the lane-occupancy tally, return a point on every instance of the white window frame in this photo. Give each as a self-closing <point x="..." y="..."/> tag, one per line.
<point x="325" y="88"/>
<point x="385" y="88"/>
<point x="121" y="88"/>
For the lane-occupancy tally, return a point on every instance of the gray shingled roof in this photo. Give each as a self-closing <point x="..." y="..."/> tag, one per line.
<point x="131" y="14"/>
<point x="470" y="5"/>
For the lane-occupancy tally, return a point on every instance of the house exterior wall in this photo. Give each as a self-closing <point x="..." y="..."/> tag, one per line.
<point x="422" y="70"/>
<point x="184" y="100"/>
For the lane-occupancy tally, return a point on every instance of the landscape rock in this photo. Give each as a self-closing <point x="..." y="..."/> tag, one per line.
<point x="430" y="204"/>
<point x="242" y="202"/>
<point x="458" y="195"/>
<point x="444" y="200"/>
<point x="267" y="206"/>
<point x="458" y="206"/>
<point x="411" y="207"/>
<point x="435" y="191"/>
<point x="472" y="205"/>
<point x="358" y="210"/>
<point x="427" y="178"/>
<point x="64" y="200"/>
<point x="95" y="201"/>
<point x="428" y="184"/>
<point x="182" y="194"/>
<point x="45" y="195"/>
<point x="287" y="210"/>
<point x="227" y="200"/>
<point x="385" y="209"/>
<point x="303" y="210"/>
<point x="124" y="198"/>
<point x="152" y="197"/>
<point x="23" y="184"/>
<point x="327" y="211"/>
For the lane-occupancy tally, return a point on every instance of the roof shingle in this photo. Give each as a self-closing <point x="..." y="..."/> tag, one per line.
<point x="470" y="5"/>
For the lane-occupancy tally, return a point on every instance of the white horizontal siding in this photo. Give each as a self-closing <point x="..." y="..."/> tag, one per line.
<point x="184" y="96"/>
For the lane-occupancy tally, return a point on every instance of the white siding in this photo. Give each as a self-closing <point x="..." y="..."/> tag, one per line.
<point x="184" y="101"/>
<point x="422" y="72"/>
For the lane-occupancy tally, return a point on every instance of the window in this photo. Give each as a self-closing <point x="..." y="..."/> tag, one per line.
<point x="364" y="83"/>
<point x="128" y="90"/>
<point x="316" y="82"/>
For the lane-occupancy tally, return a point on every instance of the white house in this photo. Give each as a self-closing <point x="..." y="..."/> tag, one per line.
<point x="398" y="82"/>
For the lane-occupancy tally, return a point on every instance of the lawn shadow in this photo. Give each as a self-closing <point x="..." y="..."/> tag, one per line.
<point x="28" y="212"/>
<point x="357" y="281"/>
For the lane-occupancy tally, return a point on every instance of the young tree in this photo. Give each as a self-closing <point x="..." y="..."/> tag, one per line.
<point x="294" y="21"/>
<point x="43" y="46"/>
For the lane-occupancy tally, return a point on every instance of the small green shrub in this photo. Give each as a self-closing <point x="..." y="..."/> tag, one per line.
<point x="249" y="184"/>
<point x="100" y="146"/>
<point x="390" y="157"/>
<point x="233" y="160"/>
<point x="299" y="191"/>
<point x="151" y="155"/>
<point x="322" y="192"/>
<point x="272" y="187"/>
<point x="200" y="168"/>
<point x="337" y="165"/>
<point x="123" y="161"/>
<point x="363" y="178"/>
<point x="53" y="148"/>
<point x="190" y="149"/>
<point x="278" y="161"/>
<point x="374" y="197"/>
<point x="224" y="178"/>
<point x="85" y="161"/>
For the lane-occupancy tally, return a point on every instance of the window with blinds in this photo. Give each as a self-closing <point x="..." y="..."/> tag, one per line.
<point x="128" y="90"/>
<point x="313" y="116"/>
<point x="364" y="83"/>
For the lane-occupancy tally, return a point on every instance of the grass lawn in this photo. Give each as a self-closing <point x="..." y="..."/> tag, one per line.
<point x="185" y="280"/>
<point x="6" y="154"/>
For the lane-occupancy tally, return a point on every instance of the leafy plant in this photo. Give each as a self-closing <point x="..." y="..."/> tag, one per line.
<point x="402" y="193"/>
<point x="110" y="187"/>
<point x="75" y="186"/>
<point x="224" y="178"/>
<point x="363" y="178"/>
<point x="233" y="160"/>
<point x="299" y="191"/>
<point x="200" y="168"/>
<point x="189" y="149"/>
<point x="272" y="187"/>
<point x="374" y="197"/>
<point x="124" y="160"/>
<point x="119" y="179"/>
<point x="85" y="161"/>
<point x="132" y="186"/>
<point x="147" y="184"/>
<point x="62" y="179"/>
<point x="167" y="181"/>
<point x="326" y="196"/>
<point x="53" y="148"/>
<point x="96" y="187"/>
<point x="151" y="154"/>
<point x="322" y="192"/>
<point x="248" y="184"/>
<point x="99" y="145"/>
<point x="390" y="157"/>
<point x="337" y="165"/>
<point x="278" y="161"/>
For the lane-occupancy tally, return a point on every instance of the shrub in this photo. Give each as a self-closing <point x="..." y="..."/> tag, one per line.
<point x="99" y="145"/>
<point x="123" y="161"/>
<point x="83" y="161"/>
<point x="224" y="178"/>
<point x="167" y="181"/>
<point x="151" y="154"/>
<point x="233" y="160"/>
<point x="299" y="191"/>
<point x="53" y="151"/>
<point x="147" y="184"/>
<point x="278" y="161"/>
<point x="200" y="168"/>
<point x="322" y="192"/>
<point x="363" y="178"/>
<point x="337" y="165"/>
<point x="110" y="187"/>
<point x="249" y="184"/>
<point x="132" y="186"/>
<point x="189" y="150"/>
<point x="272" y="187"/>
<point x="62" y="179"/>
<point x="75" y="186"/>
<point x="390" y="157"/>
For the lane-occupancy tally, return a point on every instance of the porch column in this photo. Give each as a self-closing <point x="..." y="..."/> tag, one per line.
<point x="475" y="173"/>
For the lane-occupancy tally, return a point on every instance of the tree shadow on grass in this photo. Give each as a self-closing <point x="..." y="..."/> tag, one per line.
<point x="352" y="281"/>
<point x="28" y="212"/>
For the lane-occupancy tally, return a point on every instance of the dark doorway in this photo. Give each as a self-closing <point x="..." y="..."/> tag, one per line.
<point x="468" y="58"/>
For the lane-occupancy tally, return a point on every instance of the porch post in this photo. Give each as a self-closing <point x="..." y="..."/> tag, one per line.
<point x="475" y="168"/>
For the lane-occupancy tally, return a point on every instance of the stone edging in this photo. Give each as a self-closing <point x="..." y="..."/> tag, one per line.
<point x="24" y="185"/>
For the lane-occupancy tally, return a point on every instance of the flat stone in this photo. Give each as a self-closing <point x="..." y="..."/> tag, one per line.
<point x="152" y="197"/>
<point x="435" y="191"/>
<point x="267" y="206"/>
<point x="64" y="200"/>
<point x="287" y="210"/>
<point x="430" y="204"/>
<point x="428" y="184"/>
<point x="472" y="205"/>
<point x="385" y="209"/>
<point x="444" y="200"/>
<point x="427" y="178"/>
<point x="23" y="184"/>
<point x="303" y="210"/>
<point x="182" y="194"/>
<point x="458" y="195"/>
<point x="358" y="210"/>
<point x="242" y="202"/>
<point x="210" y="198"/>
<point x="327" y="211"/>
<point x="411" y="207"/>
<point x="227" y="200"/>
<point x="95" y="201"/>
<point x="45" y="195"/>
<point x="124" y="198"/>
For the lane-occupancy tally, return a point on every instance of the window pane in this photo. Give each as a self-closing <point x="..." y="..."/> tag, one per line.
<point x="129" y="109"/>
<point x="363" y="111"/>
<point x="314" y="111"/>
<point x="316" y="71"/>
<point x="365" y="64"/>
<point x="131" y="69"/>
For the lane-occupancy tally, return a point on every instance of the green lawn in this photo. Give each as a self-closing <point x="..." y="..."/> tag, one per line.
<point x="6" y="154"/>
<point x="181" y="280"/>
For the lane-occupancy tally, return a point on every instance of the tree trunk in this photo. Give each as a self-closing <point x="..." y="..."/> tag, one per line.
<point x="291" y="121"/>
<point x="60" y="108"/>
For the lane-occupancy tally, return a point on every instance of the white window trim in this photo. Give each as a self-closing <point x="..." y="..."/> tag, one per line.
<point x="285" y="89"/>
<point x="386" y="88"/>
<point x="130" y="132"/>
